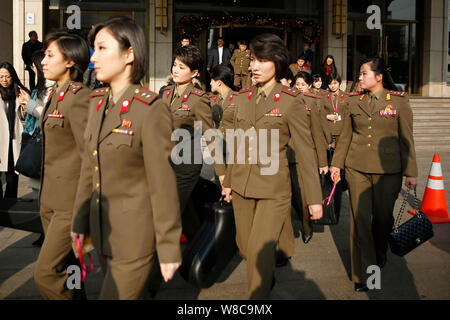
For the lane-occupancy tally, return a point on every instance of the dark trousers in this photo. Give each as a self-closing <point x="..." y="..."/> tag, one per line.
<point x="32" y="76"/>
<point x="12" y="179"/>
<point x="187" y="177"/>
<point x="372" y="200"/>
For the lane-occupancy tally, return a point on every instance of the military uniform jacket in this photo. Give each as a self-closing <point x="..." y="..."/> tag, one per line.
<point x="193" y="105"/>
<point x="240" y="61"/>
<point x="378" y="140"/>
<point x="62" y="123"/>
<point x="127" y="199"/>
<point x="283" y="109"/>
<point x="318" y="129"/>
<point x="334" y="127"/>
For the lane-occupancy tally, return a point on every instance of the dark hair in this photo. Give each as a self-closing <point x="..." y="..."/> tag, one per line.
<point x="185" y="36"/>
<point x="325" y="60"/>
<point x="36" y="59"/>
<point x="129" y="35"/>
<point x="16" y="84"/>
<point x="223" y="74"/>
<point x="243" y="42"/>
<point x="269" y="46"/>
<point x="220" y="38"/>
<point x="302" y="56"/>
<point x="191" y="56"/>
<point x="289" y="76"/>
<point x="334" y="76"/>
<point x="31" y="33"/>
<point x="317" y="77"/>
<point x="305" y="76"/>
<point x="378" y="66"/>
<point x="73" y="48"/>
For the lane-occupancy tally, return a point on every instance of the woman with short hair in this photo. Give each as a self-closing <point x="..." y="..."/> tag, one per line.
<point x="127" y="201"/>
<point x="261" y="191"/>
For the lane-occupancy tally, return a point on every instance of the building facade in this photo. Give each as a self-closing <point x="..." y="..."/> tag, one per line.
<point x="411" y="35"/>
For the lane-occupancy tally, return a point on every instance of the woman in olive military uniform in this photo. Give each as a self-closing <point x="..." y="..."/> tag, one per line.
<point x="376" y="147"/>
<point x="62" y="123"/>
<point x="127" y="200"/>
<point x="335" y="103"/>
<point x="188" y="105"/>
<point x="261" y="191"/>
<point x="222" y="105"/>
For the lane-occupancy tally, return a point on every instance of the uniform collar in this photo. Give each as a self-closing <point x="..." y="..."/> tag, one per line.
<point x="179" y="91"/>
<point x="119" y="94"/>
<point x="267" y="90"/>
<point x="378" y="95"/>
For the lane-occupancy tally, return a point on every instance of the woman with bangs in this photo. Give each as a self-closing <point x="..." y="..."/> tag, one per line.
<point x="127" y="201"/>
<point x="261" y="192"/>
<point x="63" y="121"/>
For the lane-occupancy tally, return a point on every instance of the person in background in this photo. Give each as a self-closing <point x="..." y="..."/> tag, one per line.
<point x="11" y="117"/>
<point x="231" y="47"/>
<point x="185" y="40"/>
<point x="33" y="105"/>
<point x="241" y="63"/>
<point x="218" y="55"/>
<point x="317" y="85"/>
<point x="327" y="68"/>
<point x="28" y="48"/>
<point x="308" y="53"/>
<point x="376" y="148"/>
<point x="300" y="66"/>
<point x="188" y="104"/>
<point x="63" y="123"/>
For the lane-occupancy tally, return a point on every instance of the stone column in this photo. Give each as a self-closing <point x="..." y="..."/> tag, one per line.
<point x="21" y="29"/>
<point x="160" y="48"/>
<point x="6" y="31"/>
<point x="434" y="68"/>
<point x="333" y="44"/>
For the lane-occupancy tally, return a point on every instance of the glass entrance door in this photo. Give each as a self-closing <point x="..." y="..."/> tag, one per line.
<point x="394" y="43"/>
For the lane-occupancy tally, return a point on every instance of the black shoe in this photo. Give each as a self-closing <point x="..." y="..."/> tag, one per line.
<point x="281" y="261"/>
<point x="361" y="287"/>
<point x="39" y="241"/>
<point x="306" y="238"/>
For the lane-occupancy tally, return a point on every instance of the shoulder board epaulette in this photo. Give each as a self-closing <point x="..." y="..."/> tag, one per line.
<point x="398" y="93"/>
<point x="99" y="92"/>
<point x="167" y="88"/>
<point x="75" y="86"/>
<point x="198" y="92"/>
<point x="246" y="89"/>
<point x="213" y="98"/>
<point x="353" y="94"/>
<point x="312" y="95"/>
<point x="145" y="95"/>
<point x="291" y="91"/>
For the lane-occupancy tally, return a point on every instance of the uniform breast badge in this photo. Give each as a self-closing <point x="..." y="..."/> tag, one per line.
<point x="56" y="114"/>
<point x="185" y="107"/>
<point x="126" y="123"/>
<point x="274" y="113"/>
<point x="388" y="111"/>
<point x="121" y="131"/>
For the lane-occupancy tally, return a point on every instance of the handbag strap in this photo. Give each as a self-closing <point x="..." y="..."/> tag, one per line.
<point x="402" y="207"/>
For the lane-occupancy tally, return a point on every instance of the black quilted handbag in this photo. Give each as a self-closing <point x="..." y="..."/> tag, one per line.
<point x="411" y="234"/>
<point x="29" y="161"/>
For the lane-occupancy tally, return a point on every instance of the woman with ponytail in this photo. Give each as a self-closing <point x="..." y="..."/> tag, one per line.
<point x="376" y="148"/>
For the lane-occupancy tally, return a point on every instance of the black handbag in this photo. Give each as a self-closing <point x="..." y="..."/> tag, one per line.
<point x="207" y="256"/>
<point x="331" y="206"/>
<point x="30" y="157"/>
<point x="411" y="234"/>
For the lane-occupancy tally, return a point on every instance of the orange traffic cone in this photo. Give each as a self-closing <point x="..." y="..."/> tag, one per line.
<point x="434" y="204"/>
